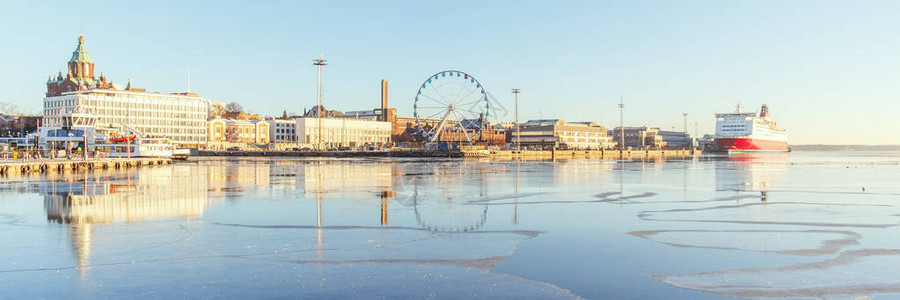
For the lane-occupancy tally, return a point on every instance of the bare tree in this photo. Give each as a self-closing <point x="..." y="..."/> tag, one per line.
<point x="217" y="111"/>
<point x="8" y="109"/>
<point x="234" y="107"/>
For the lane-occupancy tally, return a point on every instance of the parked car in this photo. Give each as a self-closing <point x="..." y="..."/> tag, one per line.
<point x="234" y="148"/>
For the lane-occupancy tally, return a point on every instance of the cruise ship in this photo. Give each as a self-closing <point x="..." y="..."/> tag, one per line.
<point x="749" y="132"/>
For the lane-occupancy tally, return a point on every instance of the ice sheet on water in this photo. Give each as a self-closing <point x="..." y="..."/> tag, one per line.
<point x="855" y="272"/>
<point x="785" y="213"/>
<point x="231" y="278"/>
<point x="793" y="242"/>
<point x="362" y="261"/>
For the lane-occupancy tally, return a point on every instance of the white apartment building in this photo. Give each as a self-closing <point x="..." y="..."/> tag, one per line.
<point x="343" y="132"/>
<point x="180" y="117"/>
<point x="283" y="131"/>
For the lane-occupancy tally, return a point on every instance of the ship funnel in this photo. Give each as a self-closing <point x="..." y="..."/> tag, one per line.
<point x="764" y="111"/>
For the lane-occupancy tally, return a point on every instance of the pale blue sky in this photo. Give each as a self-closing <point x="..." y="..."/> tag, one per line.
<point x="829" y="70"/>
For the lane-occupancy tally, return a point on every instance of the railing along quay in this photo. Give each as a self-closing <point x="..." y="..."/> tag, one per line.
<point x="19" y="166"/>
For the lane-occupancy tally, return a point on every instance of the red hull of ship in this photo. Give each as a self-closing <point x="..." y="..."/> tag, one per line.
<point x="745" y="144"/>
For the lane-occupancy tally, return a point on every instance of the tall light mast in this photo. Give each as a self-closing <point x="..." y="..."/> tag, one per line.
<point x="516" y="91"/>
<point x="622" y="122"/>
<point x="319" y="62"/>
<point x="685" y="126"/>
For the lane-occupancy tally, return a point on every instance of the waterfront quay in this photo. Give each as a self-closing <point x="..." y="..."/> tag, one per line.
<point x="596" y="154"/>
<point x="11" y="167"/>
<point x="386" y="153"/>
<point x="529" y="154"/>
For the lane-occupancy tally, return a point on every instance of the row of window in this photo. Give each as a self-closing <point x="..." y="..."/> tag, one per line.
<point x="119" y="102"/>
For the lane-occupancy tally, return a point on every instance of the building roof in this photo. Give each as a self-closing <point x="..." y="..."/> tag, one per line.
<point x="637" y="128"/>
<point x="585" y="123"/>
<point x="238" y="122"/>
<point x="80" y="54"/>
<point x="544" y="122"/>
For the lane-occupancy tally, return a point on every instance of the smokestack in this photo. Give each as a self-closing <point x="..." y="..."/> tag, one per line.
<point x="384" y="99"/>
<point x="384" y="94"/>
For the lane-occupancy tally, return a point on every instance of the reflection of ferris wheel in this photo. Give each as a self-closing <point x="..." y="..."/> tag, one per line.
<point x="451" y="101"/>
<point x="442" y="199"/>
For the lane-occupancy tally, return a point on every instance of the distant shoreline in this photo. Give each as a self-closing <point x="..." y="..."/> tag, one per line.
<point x="824" y="147"/>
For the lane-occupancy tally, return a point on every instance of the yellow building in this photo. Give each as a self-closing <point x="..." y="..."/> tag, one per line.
<point x="216" y="130"/>
<point x="238" y="131"/>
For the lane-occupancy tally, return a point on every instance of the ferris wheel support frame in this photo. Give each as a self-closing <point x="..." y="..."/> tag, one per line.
<point x="443" y="122"/>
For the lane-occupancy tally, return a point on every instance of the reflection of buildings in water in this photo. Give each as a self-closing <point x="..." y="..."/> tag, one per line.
<point x="80" y="235"/>
<point x="230" y="178"/>
<point x="581" y="172"/>
<point x="343" y="179"/>
<point x="150" y="194"/>
<point x="749" y="172"/>
<point x="516" y="207"/>
<point x="385" y="195"/>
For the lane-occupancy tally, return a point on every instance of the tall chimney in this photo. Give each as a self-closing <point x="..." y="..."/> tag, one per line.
<point x="384" y="100"/>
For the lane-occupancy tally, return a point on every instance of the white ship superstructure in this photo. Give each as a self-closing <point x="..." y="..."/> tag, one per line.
<point x="738" y="131"/>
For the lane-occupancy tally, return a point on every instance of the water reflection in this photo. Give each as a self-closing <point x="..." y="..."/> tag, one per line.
<point x="315" y="221"/>
<point x="750" y="172"/>
<point x="440" y="194"/>
<point x="89" y="198"/>
<point x="149" y="195"/>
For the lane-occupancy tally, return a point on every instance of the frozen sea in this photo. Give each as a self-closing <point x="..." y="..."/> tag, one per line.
<point x="798" y="225"/>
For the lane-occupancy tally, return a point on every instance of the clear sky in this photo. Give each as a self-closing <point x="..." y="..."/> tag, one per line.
<point x="829" y="70"/>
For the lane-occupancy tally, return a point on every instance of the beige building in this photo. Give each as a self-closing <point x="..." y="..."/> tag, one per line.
<point x="642" y="137"/>
<point x="546" y="134"/>
<point x="238" y="131"/>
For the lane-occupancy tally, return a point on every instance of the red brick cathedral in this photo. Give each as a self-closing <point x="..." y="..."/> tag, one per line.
<point x="80" y="75"/>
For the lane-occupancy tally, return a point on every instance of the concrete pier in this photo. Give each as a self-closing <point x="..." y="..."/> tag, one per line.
<point x="598" y="154"/>
<point x="529" y="154"/>
<point x="386" y="153"/>
<point x="15" y="167"/>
